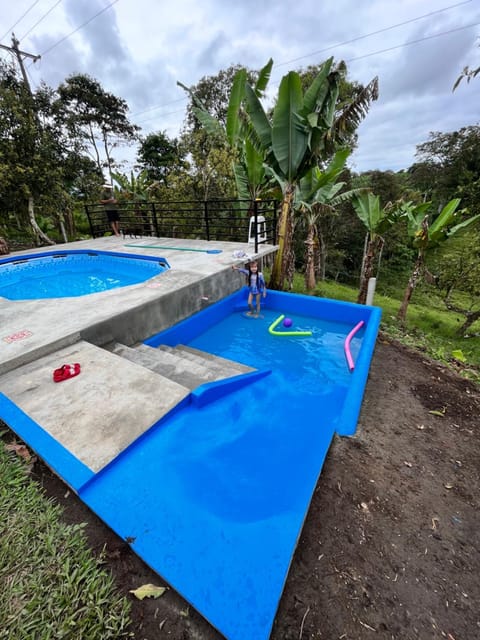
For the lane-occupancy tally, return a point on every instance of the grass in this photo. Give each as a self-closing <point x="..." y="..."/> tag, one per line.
<point x="52" y="587"/>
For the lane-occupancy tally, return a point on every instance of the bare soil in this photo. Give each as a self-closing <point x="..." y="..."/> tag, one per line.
<point x="390" y="547"/>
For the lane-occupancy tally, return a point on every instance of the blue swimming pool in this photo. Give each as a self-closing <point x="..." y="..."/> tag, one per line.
<point x="63" y="274"/>
<point x="232" y="472"/>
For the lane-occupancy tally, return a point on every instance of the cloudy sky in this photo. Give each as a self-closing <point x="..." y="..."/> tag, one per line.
<point x="138" y="49"/>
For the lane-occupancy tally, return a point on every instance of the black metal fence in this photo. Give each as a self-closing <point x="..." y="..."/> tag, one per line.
<point x="228" y="220"/>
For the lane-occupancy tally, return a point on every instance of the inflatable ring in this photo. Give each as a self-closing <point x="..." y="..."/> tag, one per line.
<point x="271" y="329"/>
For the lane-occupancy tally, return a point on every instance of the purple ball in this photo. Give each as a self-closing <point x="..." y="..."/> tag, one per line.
<point x="287" y="322"/>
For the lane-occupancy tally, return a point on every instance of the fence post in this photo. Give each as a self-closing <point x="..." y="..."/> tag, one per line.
<point x="255" y="223"/>
<point x="205" y="214"/>
<point x="92" y="233"/>
<point x="155" y="221"/>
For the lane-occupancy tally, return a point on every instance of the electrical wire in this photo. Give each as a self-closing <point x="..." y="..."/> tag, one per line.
<point x="41" y="19"/>
<point x="21" y="18"/>
<point x="358" y="38"/>
<point x="367" y="55"/>
<point x="78" y="28"/>
<point x="373" y="33"/>
<point x="410" y="42"/>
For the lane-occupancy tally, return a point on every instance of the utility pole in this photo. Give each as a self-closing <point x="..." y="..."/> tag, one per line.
<point x="20" y="55"/>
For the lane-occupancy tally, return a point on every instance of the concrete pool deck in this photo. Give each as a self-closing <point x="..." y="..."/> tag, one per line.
<point x="97" y="414"/>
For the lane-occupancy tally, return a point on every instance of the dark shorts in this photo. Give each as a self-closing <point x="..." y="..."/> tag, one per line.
<point x="113" y="216"/>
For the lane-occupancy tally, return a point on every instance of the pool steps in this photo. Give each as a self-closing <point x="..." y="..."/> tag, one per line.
<point x="181" y="364"/>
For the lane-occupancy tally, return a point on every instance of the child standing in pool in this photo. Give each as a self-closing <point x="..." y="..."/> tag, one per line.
<point x="256" y="285"/>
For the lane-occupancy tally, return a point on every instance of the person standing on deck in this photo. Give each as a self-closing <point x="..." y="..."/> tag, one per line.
<point x="110" y="204"/>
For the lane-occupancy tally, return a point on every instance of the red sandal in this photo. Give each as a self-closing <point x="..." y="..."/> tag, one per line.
<point x="66" y="371"/>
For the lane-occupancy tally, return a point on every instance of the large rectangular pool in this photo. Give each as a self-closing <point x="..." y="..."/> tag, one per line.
<point x="214" y="496"/>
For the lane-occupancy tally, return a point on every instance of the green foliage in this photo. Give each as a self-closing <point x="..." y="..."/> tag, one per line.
<point x="304" y="128"/>
<point x="246" y="160"/>
<point x="134" y="188"/>
<point x="160" y="156"/>
<point x="52" y="587"/>
<point x="376" y="220"/>
<point x="89" y="112"/>
<point x="450" y="168"/>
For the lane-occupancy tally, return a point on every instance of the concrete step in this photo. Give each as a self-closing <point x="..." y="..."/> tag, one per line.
<point x="212" y="359"/>
<point x="180" y="365"/>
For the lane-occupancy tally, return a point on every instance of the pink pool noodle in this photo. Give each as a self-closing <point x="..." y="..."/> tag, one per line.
<point x="358" y="326"/>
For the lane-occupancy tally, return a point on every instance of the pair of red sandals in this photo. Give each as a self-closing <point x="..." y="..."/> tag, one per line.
<point x="66" y="371"/>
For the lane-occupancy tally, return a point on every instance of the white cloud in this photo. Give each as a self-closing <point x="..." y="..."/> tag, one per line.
<point x="138" y="50"/>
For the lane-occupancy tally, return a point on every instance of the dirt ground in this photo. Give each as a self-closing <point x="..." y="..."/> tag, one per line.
<point x="390" y="547"/>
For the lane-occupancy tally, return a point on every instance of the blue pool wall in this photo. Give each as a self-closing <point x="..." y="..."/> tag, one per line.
<point x="326" y="309"/>
<point x="91" y="252"/>
<point x="60" y="460"/>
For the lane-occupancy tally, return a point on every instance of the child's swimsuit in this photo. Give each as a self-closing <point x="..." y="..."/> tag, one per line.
<point x="257" y="281"/>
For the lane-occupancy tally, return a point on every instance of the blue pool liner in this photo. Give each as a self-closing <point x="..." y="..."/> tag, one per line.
<point x="66" y="465"/>
<point x="330" y="310"/>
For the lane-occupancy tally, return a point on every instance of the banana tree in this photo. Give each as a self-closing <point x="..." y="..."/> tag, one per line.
<point x="425" y="236"/>
<point x="297" y="137"/>
<point x="134" y="188"/>
<point x="284" y="146"/>
<point x="377" y="221"/>
<point x="318" y="193"/>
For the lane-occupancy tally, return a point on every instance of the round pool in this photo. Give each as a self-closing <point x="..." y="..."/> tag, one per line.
<point x="65" y="274"/>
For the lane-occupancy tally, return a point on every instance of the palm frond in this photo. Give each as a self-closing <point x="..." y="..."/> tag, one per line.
<point x="355" y="112"/>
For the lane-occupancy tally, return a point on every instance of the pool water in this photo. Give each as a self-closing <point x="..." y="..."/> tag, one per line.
<point x="246" y="339"/>
<point x="73" y="273"/>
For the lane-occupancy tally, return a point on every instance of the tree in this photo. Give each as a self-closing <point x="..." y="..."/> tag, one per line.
<point x="377" y="220"/>
<point x="425" y="235"/>
<point x="160" y="156"/>
<point x="208" y="146"/>
<point x="95" y="117"/>
<point x="458" y="276"/>
<point x="30" y="153"/>
<point x="213" y="94"/>
<point x="226" y="127"/>
<point x="318" y="195"/>
<point x="303" y="130"/>
<point x="450" y="167"/>
<point x="133" y="188"/>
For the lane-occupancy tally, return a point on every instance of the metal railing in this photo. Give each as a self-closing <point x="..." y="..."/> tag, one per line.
<point x="227" y="220"/>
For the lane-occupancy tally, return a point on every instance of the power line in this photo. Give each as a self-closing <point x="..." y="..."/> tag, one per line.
<point x="364" y="36"/>
<point x="165" y="104"/>
<point x="163" y="115"/>
<point x="373" y="33"/>
<point x="78" y="28"/>
<point x="407" y="44"/>
<point x="42" y="18"/>
<point x="21" y="18"/>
